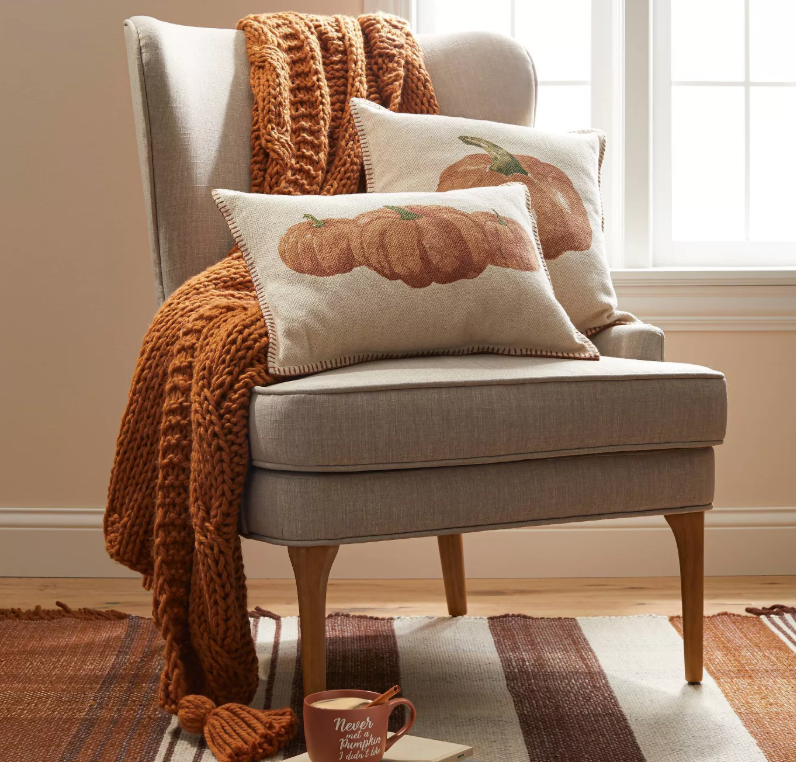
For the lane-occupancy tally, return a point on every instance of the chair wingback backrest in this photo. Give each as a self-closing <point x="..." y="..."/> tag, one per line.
<point x="192" y="105"/>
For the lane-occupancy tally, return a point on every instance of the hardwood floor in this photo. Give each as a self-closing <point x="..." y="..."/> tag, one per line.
<point x="415" y="597"/>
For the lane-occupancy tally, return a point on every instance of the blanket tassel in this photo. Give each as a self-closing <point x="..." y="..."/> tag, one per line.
<point x="235" y="732"/>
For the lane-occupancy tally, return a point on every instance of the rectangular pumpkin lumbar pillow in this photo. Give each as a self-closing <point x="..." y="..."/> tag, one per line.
<point x="345" y="279"/>
<point x="408" y="152"/>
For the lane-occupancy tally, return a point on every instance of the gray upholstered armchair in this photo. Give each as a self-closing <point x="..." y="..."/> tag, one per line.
<point x="426" y="446"/>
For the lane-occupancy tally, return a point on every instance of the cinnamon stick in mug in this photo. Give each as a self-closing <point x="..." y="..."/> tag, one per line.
<point x="385" y="697"/>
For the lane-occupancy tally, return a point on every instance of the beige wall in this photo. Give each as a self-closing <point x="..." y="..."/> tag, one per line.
<point x="76" y="291"/>
<point x="77" y="288"/>
<point x="755" y="467"/>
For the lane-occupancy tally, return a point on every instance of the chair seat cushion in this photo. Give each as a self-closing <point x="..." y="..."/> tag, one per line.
<point x="444" y="411"/>
<point x="290" y="508"/>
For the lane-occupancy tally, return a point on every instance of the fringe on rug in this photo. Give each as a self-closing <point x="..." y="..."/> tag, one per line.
<point x="778" y="609"/>
<point x="62" y="612"/>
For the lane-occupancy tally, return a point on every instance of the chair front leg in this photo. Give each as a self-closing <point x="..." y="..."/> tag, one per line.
<point x="311" y="567"/>
<point x="451" y="554"/>
<point x="689" y="533"/>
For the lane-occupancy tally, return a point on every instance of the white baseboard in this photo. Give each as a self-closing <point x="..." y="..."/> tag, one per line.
<point x="739" y="541"/>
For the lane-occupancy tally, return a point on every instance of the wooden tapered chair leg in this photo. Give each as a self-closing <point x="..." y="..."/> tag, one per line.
<point x="689" y="533"/>
<point x="311" y="567"/>
<point x="451" y="554"/>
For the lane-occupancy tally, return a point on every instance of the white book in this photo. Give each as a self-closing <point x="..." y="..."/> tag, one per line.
<point x="416" y="749"/>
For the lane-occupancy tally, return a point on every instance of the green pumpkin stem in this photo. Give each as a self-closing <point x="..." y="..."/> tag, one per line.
<point x="501" y="221"/>
<point x="502" y="161"/>
<point x="316" y="223"/>
<point x="404" y="212"/>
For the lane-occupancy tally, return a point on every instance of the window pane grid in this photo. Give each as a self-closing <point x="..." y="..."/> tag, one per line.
<point x="578" y="55"/>
<point x="559" y="34"/>
<point x="687" y="209"/>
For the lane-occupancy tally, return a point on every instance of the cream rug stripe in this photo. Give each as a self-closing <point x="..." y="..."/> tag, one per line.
<point x="643" y="660"/>
<point x="286" y="665"/>
<point x="173" y="729"/>
<point x="443" y="658"/>
<point x="286" y="656"/>
<point x="784" y="627"/>
<point x="264" y="632"/>
<point x="190" y="749"/>
<point x="183" y="747"/>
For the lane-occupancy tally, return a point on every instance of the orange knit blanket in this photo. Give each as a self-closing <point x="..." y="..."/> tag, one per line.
<point x="182" y="451"/>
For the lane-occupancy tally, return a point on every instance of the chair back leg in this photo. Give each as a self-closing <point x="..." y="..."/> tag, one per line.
<point x="689" y="533"/>
<point x="311" y="567"/>
<point x="451" y="554"/>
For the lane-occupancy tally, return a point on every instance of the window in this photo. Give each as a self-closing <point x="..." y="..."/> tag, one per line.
<point x="724" y="106"/>
<point x="559" y="35"/>
<point x="573" y="48"/>
<point x="698" y="100"/>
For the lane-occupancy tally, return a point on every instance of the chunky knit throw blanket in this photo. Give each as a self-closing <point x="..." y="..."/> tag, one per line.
<point x="182" y="451"/>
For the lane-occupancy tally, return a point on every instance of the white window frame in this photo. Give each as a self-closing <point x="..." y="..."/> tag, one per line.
<point x="607" y="108"/>
<point x="607" y="97"/>
<point x="665" y="251"/>
<point x="624" y="73"/>
<point x="404" y="8"/>
<point x="634" y="72"/>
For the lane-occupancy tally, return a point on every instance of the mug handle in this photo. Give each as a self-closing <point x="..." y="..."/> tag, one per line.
<point x="408" y="726"/>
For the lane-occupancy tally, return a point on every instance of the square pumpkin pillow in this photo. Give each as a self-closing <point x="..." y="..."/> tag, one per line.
<point x="408" y="152"/>
<point x="345" y="279"/>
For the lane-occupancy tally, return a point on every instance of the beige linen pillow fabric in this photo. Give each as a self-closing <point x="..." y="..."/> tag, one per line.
<point x="408" y="152"/>
<point x="345" y="279"/>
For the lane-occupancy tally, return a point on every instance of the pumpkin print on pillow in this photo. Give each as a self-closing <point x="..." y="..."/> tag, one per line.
<point x="560" y="215"/>
<point x="561" y="170"/>
<point x="345" y="279"/>
<point x="418" y="245"/>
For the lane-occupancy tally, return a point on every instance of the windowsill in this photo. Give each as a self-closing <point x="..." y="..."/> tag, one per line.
<point x="710" y="298"/>
<point x="705" y="276"/>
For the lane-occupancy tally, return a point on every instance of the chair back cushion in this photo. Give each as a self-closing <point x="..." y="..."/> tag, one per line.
<point x="192" y="105"/>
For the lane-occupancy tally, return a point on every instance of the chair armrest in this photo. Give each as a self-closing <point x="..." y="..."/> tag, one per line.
<point x="636" y="341"/>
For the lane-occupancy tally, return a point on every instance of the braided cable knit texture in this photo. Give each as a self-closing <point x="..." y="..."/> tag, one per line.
<point x="182" y="451"/>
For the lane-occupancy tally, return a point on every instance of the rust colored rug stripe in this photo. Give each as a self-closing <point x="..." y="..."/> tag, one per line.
<point x="756" y="671"/>
<point x="780" y="620"/>
<point x="79" y="690"/>
<point x="564" y="703"/>
<point x="122" y="723"/>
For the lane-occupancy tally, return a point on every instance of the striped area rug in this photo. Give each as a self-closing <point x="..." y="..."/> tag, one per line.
<point x="516" y="688"/>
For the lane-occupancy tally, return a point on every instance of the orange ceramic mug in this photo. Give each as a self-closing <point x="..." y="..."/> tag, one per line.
<point x="345" y="735"/>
